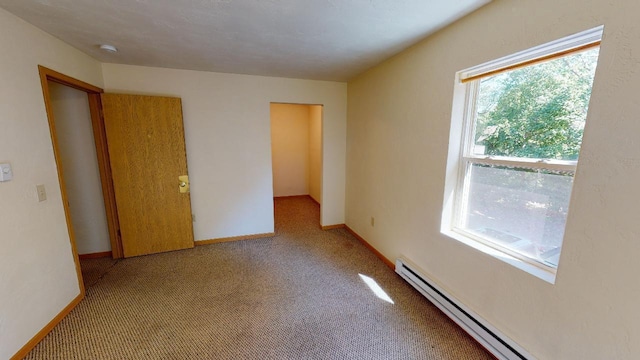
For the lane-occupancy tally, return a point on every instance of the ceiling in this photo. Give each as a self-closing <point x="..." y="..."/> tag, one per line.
<point x="312" y="39"/>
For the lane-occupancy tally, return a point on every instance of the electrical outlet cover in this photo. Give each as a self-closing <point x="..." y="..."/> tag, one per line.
<point x="5" y="172"/>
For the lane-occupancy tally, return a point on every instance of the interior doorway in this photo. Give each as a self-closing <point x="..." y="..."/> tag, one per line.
<point x="296" y="150"/>
<point x="48" y="79"/>
<point x="79" y="164"/>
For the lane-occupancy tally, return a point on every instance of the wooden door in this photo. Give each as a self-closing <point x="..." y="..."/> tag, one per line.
<point x="145" y="138"/>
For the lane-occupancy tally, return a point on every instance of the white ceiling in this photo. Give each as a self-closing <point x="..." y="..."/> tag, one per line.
<point x="312" y="39"/>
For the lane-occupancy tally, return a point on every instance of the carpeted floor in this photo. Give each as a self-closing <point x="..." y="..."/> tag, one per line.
<point x="298" y="295"/>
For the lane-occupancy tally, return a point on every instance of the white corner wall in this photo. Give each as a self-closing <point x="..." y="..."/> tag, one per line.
<point x="77" y="151"/>
<point x="37" y="271"/>
<point x="315" y="152"/>
<point x="227" y="131"/>
<point x="290" y="149"/>
<point x="398" y="128"/>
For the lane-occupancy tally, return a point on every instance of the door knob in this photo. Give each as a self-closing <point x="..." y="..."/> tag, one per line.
<point x="183" y="182"/>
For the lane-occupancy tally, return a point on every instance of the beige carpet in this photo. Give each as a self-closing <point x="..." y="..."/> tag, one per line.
<point x="297" y="295"/>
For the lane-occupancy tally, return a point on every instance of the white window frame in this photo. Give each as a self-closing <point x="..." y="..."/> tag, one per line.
<point x="461" y="158"/>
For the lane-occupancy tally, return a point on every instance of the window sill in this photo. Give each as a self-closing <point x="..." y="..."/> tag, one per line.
<point x="546" y="275"/>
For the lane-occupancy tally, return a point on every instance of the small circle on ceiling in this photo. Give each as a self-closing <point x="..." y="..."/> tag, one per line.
<point x="108" y="48"/>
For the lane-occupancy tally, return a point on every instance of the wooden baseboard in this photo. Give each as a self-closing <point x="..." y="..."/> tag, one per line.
<point x="96" y="255"/>
<point x="47" y="329"/>
<point x="314" y="200"/>
<point x="292" y="196"/>
<point x="297" y="196"/>
<point x="364" y="242"/>
<point x="330" y="227"/>
<point x="234" y="238"/>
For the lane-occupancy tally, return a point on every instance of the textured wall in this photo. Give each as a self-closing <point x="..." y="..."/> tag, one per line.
<point x="315" y="152"/>
<point x="398" y="129"/>
<point x="228" y="139"/>
<point x="37" y="271"/>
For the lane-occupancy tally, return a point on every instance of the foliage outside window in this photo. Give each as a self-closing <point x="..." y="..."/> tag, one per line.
<point x="523" y="133"/>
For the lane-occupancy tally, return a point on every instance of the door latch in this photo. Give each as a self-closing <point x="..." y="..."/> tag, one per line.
<point x="183" y="182"/>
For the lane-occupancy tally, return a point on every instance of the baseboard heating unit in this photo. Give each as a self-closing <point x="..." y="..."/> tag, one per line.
<point x="497" y="343"/>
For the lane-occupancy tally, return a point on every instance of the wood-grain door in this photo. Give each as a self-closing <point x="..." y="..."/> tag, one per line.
<point x="145" y="138"/>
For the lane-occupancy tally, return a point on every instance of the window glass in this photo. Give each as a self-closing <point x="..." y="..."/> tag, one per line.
<point x="524" y="210"/>
<point x="537" y="111"/>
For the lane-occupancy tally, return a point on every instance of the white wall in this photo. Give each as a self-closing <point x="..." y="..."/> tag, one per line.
<point x="290" y="149"/>
<point x="227" y="131"/>
<point x="80" y="166"/>
<point x="37" y="271"/>
<point x="315" y="152"/>
<point x="398" y="130"/>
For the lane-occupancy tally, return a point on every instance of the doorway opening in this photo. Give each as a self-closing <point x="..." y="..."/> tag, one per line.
<point x="79" y="160"/>
<point x="78" y="156"/>
<point x="296" y="151"/>
<point x="79" y="145"/>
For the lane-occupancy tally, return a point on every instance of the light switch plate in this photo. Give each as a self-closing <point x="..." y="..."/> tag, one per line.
<point x="42" y="193"/>
<point x="5" y="172"/>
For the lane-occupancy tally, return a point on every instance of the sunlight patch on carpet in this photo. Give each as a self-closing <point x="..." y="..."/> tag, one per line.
<point x="377" y="290"/>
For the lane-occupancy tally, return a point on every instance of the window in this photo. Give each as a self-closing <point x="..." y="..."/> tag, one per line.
<point x="518" y="122"/>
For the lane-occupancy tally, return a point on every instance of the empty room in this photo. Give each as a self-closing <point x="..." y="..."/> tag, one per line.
<point x="465" y="179"/>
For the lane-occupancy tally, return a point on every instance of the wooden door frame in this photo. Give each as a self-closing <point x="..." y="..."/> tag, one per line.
<point x="100" y="137"/>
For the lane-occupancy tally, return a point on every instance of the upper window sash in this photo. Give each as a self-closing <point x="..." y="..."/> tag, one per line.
<point x="578" y="42"/>
<point x="467" y="144"/>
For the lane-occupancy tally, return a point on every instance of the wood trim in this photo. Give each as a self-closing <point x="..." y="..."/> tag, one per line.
<point x="63" y="79"/>
<point x="234" y="238"/>
<point x="314" y="200"/>
<point x="292" y="103"/>
<point x="531" y="62"/>
<point x="292" y="196"/>
<point x="298" y="196"/>
<point x="97" y="255"/>
<point x="331" y="227"/>
<point x="47" y="329"/>
<point x="104" y="167"/>
<point x="56" y="153"/>
<point x="364" y="242"/>
<point x="95" y="108"/>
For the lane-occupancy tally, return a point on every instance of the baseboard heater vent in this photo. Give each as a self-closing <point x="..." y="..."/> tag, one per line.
<point x="489" y="337"/>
